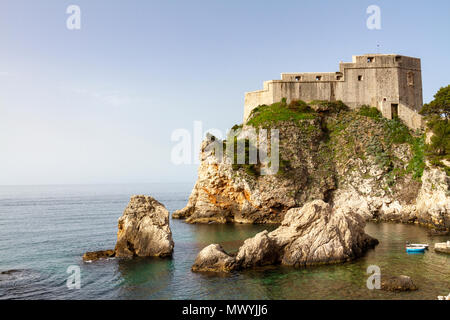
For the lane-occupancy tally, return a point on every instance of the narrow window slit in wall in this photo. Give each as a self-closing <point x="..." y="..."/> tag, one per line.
<point x="370" y="59"/>
<point x="360" y="78"/>
<point x="410" y="78"/>
<point x="318" y="78"/>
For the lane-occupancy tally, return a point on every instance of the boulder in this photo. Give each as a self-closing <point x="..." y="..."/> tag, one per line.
<point x="96" y="255"/>
<point x="320" y="234"/>
<point x="260" y="250"/>
<point x="213" y="259"/>
<point x="143" y="229"/>
<point x="311" y="235"/>
<point x="397" y="283"/>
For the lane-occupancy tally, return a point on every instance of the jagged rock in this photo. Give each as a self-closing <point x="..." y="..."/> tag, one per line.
<point x="213" y="259"/>
<point x="398" y="283"/>
<point x="143" y="229"/>
<point x="320" y="234"/>
<point x="311" y="235"/>
<point x="96" y="255"/>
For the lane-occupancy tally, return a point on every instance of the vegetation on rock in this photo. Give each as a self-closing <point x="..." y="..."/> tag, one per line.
<point x="266" y="116"/>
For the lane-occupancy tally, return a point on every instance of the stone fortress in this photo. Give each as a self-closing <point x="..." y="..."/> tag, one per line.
<point x="391" y="83"/>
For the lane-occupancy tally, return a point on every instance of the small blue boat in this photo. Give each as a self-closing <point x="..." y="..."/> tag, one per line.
<point x="415" y="249"/>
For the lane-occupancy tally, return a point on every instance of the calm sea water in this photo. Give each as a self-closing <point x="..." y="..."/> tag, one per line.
<point x="46" y="229"/>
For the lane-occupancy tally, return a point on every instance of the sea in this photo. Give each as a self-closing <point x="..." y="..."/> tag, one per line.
<point x="44" y="231"/>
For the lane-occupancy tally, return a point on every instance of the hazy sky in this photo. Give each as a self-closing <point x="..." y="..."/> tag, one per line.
<point x="99" y="105"/>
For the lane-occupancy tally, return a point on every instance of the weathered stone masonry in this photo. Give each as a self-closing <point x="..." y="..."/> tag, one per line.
<point x="391" y="83"/>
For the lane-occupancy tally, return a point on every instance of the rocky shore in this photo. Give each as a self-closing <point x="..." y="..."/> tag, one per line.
<point x="312" y="235"/>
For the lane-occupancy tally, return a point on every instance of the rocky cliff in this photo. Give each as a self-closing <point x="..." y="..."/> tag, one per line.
<point x="351" y="159"/>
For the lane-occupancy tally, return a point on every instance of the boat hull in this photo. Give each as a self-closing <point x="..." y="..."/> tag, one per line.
<point x="415" y="250"/>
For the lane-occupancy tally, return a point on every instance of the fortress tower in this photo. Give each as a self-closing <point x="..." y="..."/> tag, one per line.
<point x="391" y="83"/>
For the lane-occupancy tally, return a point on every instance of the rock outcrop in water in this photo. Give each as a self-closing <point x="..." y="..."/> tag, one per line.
<point x="351" y="159"/>
<point x="398" y="283"/>
<point x="97" y="255"/>
<point x="143" y="230"/>
<point x="311" y="235"/>
<point x="213" y="259"/>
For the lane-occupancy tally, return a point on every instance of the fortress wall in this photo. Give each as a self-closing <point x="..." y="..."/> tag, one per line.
<point x="368" y="83"/>
<point x="309" y="76"/>
<point x="256" y="98"/>
<point x="411" y="118"/>
<point x="307" y="91"/>
<point x="409" y="94"/>
<point x="381" y="81"/>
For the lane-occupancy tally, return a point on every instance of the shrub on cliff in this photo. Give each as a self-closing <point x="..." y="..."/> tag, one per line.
<point x="268" y="115"/>
<point x="440" y="106"/>
<point x="370" y="112"/>
<point x="329" y="106"/>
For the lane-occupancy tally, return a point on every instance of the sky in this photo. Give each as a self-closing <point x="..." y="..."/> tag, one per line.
<point x="99" y="105"/>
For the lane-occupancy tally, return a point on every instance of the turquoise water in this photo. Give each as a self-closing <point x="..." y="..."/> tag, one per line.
<point x="46" y="229"/>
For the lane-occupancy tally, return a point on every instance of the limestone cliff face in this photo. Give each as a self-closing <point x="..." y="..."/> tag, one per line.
<point x="223" y="193"/>
<point x="429" y="207"/>
<point x="368" y="165"/>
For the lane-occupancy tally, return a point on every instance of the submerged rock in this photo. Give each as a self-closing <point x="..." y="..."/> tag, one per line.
<point x="311" y="235"/>
<point x="398" y="283"/>
<point x="144" y="229"/>
<point x="96" y="255"/>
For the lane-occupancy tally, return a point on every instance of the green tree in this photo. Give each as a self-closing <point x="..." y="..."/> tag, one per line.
<point x="440" y="106"/>
<point x="437" y="115"/>
<point x="440" y="141"/>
